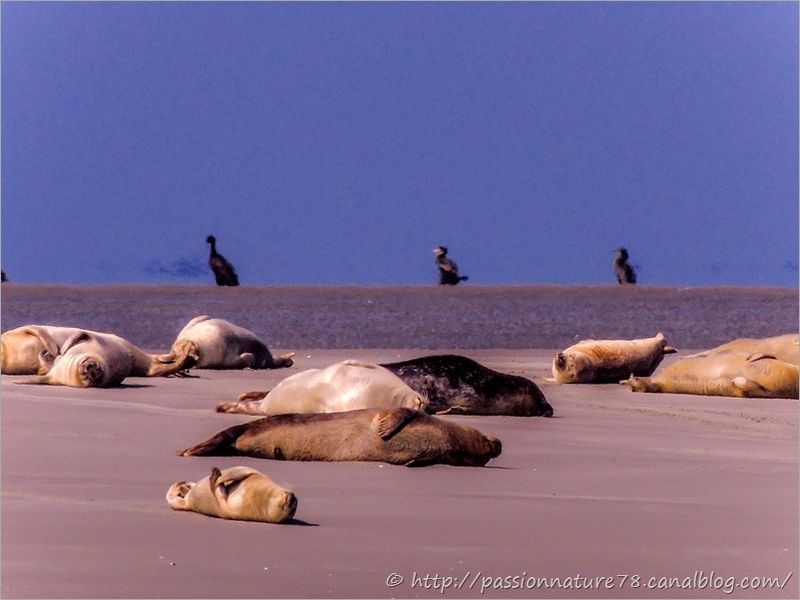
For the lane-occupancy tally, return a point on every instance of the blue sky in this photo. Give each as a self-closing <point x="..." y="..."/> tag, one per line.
<point x="338" y="143"/>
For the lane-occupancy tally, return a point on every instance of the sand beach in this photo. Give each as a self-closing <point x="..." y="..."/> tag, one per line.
<point x="617" y="495"/>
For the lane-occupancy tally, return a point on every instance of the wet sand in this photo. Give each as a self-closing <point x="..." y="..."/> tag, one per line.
<point x="616" y="484"/>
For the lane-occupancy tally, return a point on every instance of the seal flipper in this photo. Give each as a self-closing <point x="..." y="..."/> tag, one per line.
<point x="246" y="360"/>
<point x="39" y="380"/>
<point x="749" y="388"/>
<point x="759" y="356"/>
<point x="283" y="361"/>
<point x="455" y="410"/>
<point x="640" y="384"/>
<point x="75" y="339"/>
<point x="222" y="444"/>
<point x="353" y="362"/>
<point x="393" y="420"/>
<point x="244" y="407"/>
<point x="252" y="396"/>
<point x="46" y="360"/>
<point x="224" y="487"/>
<point x="44" y="338"/>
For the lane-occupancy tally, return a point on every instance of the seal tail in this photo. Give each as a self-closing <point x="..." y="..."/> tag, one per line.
<point x="283" y="361"/>
<point x="222" y="444"/>
<point x="243" y="407"/>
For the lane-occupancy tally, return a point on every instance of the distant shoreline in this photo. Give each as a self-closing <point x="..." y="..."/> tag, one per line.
<point x="515" y="286"/>
<point x="428" y="317"/>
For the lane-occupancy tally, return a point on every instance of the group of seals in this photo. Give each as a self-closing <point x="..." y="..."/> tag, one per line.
<point x="400" y="436"/>
<point x="84" y="358"/>
<point x="439" y="384"/>
<point x="219" y="344"/>
<point x="608" y="361"/>
<point x="80" y="358"/>
<point x="236" y="493"/>
<point x="746" y="367"/>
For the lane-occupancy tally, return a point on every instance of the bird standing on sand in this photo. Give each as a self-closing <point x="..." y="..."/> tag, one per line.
<point x="623" y="269"/>
<point x="448" y="269"/>
<point x="223" y="270"/>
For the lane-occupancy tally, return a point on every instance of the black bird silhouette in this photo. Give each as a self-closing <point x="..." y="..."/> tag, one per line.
<point x="622" y="268"/>
<point x="223" y="270"/>
<point x="448" y="269"/>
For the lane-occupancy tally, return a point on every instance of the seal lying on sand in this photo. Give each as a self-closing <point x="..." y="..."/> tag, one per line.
<point x="89" y="359"/>
<point x="237" y="493"/>
<point x="218" y="344"/>
<point x="342" y="386"/>
<point x="726" y="373"/>
<point x="31" y="350"/>
<point x="457" y="384"/>
<point x="400" y="436"/>
<point x="22" y="346"/>
<point x="608" y="361"/>
<point x="782" y="347"/>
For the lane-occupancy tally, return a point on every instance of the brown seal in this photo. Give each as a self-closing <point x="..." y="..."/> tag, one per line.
<point x="399" y="436"/>
<point x="726" y="373"/>
<point x="783" y="347"/>
<point x="238" y="493"/>
<point x="608" y="361"/>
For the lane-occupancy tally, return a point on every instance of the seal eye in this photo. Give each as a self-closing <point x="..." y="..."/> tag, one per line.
<point x="561" y="362"/>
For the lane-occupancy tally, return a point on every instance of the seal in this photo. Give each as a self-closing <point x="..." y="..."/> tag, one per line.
<point x="219" y="344"/>
<point x="399" y="436"/>
<point x="785" y="348"/>
<point x="342" y="386"/>
<point x="239" y="493"/>
<point x="20" y="348"/>
<point x="457" y="384"/>
<point x="89" y="359"/>
<point x="608" y="361"/>
<point x="725" y="373"/>
<point x="224" y="273"/>
<point x="31" y="350"/>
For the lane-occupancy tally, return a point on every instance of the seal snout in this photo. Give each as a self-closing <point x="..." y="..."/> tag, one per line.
<point x="289" y="505"/>
<point x="548" y="412"/>
<point x="495" y="447"/>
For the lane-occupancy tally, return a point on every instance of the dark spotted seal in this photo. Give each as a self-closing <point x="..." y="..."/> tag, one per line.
<point x="457" y="384"/>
